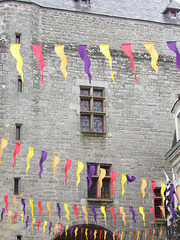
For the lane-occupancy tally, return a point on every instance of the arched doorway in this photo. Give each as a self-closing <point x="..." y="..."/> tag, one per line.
<point x="85" y="232"/>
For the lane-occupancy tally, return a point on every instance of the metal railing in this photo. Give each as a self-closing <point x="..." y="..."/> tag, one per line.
<point x="173" y="231"/>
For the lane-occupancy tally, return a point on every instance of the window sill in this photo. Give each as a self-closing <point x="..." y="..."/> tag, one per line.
<point x="93" y="133"/>
<point x="160" y="221"/>
<point x="99" y="200"/>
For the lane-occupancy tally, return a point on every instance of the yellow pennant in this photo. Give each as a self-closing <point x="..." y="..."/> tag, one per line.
<point x="138" y="235"/>
<point x="130" y="235"/>
<point x="104" y="48"/>
<point x="75" y="231"/>
<point x="153" y="234"/>
<point x="123" y="215"/>
<point x="44" y="227"/>
<point x="104" y="212"/>
<point x="178" y="190"/>
<point x="179" y="207"/>
<point x="145" y="235"/>
<point x="56" y="161"/>
<point x="32" y="207"/>
<point x="86" y="234"/>
<point x="22" y="216"/>
<point x="163" y="211"/>
<point x="59" y="49"/>
<point x="105" y="233"/>
<point x="85" y="213"/>
<point x="123" y="182"/>
<point x="160" y="233"/>
<point x="143" y="186"/>
<point x="141" y="210"/>
<point x="154" y="55"/>
<point x="49" y="208"/>
<point x="66" y="230"/>
<point x="67" y="211"/>
<point x="95" y="233"/>
<point x="15" y="51"/>
<point x="101" y="176"/>
<point x="122" y="233"/>
<point x="79" y="170"/>
<point x="3" y="145"/>
<point x="163" y="188"/>
<point x="114" y="234"/>
<point x="55" y="229"/>
<point x="9" y="214"/>
<point x="29" y="156"/>
<point x="33" y="222"/>
<point x="15" y="204"/>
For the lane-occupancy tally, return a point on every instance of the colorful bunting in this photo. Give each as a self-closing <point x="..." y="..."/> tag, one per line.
<point x="24" y="205"/>
<point x="113" y="178"/>
<point x="67" y="167"/>
<point x="145" y="235"/>
<point x="122" y="233"/>
<point x="178" y="191"/>
<point x="85" y="213"/>
<point x="129" y="235"/>
<point x="152" y="210"/>
<point x="67" y="211"/>
<point x="42" y="160"/>
<point x="76" y="211"/>
<point x="130" y="179"/>
<point x="2" y="213"/>
<point x="163" y="211"/>
<point x="90" y="174"/>
<point x="100" y="233"/>
<point x="154" y="55"/>
<point x="118" y="235"/>
<point x="61" y="230"/>
<point x="79" y="170"/>
<point x="143" y="186"/>
<point x="81" y="232"/>
<point x="172" y="46"/>
<point x="101" y="176"/>
<point x="59" y="49"/>
<point x="153" y="187"/>
<point x="127" y="50"/>
<point x="90" y="234"/>
<point x="66" y="229"/>
<point x="85" y="58"/>
<point x="22" y="217"/>
<point x="123" y="182"/>
<point x="33" y="222"/>
<point x="104" y="212"/>
<point x="163" y="188"/>
<point x="6" y="203"/>
<point x="49" y="208"/>
<point x="141" y="210"/>
<point x="27" y="220"/>
<point x="15" y="51"/>
<point x="16" y="151"/>
<point x="160" y="234"/>
<point x="138" y="235"/>
<point x="37" y="50"/>
<point x="153" y="234"/>
<point x="40" y="208"/>
<point x="149" y="234"/>
<point x="59" y="210"/>
<point x="134" y="234"/>
<point x="133" y="213"/>
<point x="113" y="213"/>
<point x="123" y="215"/>
<point x="105" y="233"/>
<point x="104" y="48"/>
<point x="75" y="232"/>
<point x="86" y="234"/>
<point x="44" y="226"/>
<point x="55" y="229"/>
<point x="32" y="207"/>
<point x="94" y="212"/>
<point x="29" y="156"/>
<point x="3" y="145"/>
<point x="15" y="216"/>
<point x="50" y="226"/>
<point x="56" y="161"/>
<point x="15" y="204"/>
<point x="141" y="235"/>
<point x="9" y="214"/>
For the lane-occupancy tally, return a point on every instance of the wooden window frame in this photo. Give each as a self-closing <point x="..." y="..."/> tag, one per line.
<point x="18" y="128"/>
<point x="16" y="181"/>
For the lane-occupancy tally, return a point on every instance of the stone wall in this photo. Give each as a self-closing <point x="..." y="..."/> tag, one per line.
<point x="139" y="125"/>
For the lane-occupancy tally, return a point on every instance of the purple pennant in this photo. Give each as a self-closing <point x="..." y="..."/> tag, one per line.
<point x="172" y="191"/>
<point x="27" y="220"/>
<point x="91" y="173"/>
<point x="109" y="233"/>
<point x="172" y="47"/>
<point x="2" y="213"/>
<point x="50" y="226"/>
<point x="94" y="212"/>
<point x="130" y="179"/>
<point x="173" y="212"/>
<point x="91" y="234"/>
<point x="141" y="235"/>
<point x="133" y="213"/>
<point x="125" y="235"/>
<point x="157" y="233"/>
<point x="71" y="232"/>
<point x="43" y="159"/>
<point x="59" y="210"/>
<point x="85" y="58"/>
<point x="24" y="205"/>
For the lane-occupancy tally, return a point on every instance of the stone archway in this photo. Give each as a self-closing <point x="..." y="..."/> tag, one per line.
<point x="81" y="233"/>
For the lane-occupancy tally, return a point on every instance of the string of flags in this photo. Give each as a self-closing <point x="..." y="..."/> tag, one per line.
<point x="25" y="218"/>
<point x="104" y="49"/>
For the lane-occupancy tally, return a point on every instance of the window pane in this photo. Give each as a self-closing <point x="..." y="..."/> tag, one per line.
<point x="85" y="123"/>
<point x="16" y="186"/>
<point x="97" y="93"/>
<point x="93" y="189"/>
<point x="85" y="105"/>
<point x="98" y="124"/>
<point x="107" y="168"/>
<point x="95" y="173"/>
<point x="105" y="191"/>
<point x="18" y="38"/>
<point x="84" y="92"/>
<point x="19" y="85"/>
<point x="157" y="203"/>
<point x="98" y="106"/>
<point x="17" y="132"/>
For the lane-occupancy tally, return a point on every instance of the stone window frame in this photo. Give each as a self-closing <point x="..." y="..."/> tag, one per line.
<point x="95" y="178"/>
<point x="18" y="38"/>
<point x="17" y="185"/>
<point x="19" y="84"/>
<point x="91" y="113"/>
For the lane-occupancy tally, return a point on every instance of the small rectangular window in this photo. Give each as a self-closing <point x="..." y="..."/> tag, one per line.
<point x="18" y="38"/>
<point x="157" y="203"/>
<point x="19" y="237"/>
<point x="19" y="85"/>
<point x="16" y="186"/>
<point x="18" y="132"/>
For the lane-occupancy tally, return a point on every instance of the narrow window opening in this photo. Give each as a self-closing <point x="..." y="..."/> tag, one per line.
<point x="19" y="84"/>
<point x="18" y="132"/>
<point x="18" y="38"/>
<point x="16" y="186"/>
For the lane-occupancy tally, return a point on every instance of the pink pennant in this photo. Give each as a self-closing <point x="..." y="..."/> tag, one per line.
<point x="118" y="235"/>
<point x="39" y="222"/>
<point x="81" y="232"/>
<point x="6" y="203"/>
<point x="113" y="178"/>
<point x="40" y="207"/>
<point x="127" y="50"/>
<point x="67" y="167"/>
<point x="100" y="234"/>
<point x="16" y="151"/>
<point x="149" y="234"/>
<point x="153" y="187"/>
<point x="37" y="50"/>
<point x="76" y="211"/>
<point x="15" y="216"/>
<point x="152" y="210"/>
<point x="61" y="230"/>
<point x="134" y="235"/>
<point x="113" y="213"/>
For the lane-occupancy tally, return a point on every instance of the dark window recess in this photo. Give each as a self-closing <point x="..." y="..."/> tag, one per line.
<point x="157" y="203"/>
<point x="18" y="38"/>
<point x="16" y="186"/>
<point x="19" y="85"/>
<point x="18" y="132"/>
<point x="19" y="237"/>
<point x="92" y="192"/>
<point x="173" y="13"/>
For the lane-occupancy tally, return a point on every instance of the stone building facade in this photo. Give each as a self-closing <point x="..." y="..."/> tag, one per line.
<point x="137" y="123"/>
